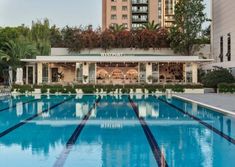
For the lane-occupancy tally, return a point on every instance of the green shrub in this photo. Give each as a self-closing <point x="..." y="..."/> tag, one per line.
<point x="218" y="76"/>
<point x="23" y="88"/>
<point x="226" y="88"/>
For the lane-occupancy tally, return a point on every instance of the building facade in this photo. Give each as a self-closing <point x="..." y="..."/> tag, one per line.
<point x="118" y="68"/>
<point x="223" y="32"/>
<point x="134" y="13"/>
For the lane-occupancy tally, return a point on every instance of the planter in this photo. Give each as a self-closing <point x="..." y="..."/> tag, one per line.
<point x="194" y="91"/>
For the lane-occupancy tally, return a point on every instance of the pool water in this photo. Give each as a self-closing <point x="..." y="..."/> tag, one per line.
<point x="107" y="131"/>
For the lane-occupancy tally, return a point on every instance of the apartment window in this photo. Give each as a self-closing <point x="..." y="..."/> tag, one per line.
<point x="229" y="47"/>
<point x="124" y="17"/>
<point x="113" y="0"/>
<point x="124" y="0"/>
<point x="221" y="49"/>
<point x="113" y="17"/>
<point x="124" y="8"/>
<point x="113" y="8"/>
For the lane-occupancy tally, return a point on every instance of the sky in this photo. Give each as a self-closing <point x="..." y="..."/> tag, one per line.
<point x="59" y="12"/>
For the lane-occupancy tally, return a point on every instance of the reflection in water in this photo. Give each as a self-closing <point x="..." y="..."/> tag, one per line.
<point x="113" y="136"/>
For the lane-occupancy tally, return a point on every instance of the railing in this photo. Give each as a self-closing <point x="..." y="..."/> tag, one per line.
<point x="139" y="11"/>
<point x="139" y="2"/>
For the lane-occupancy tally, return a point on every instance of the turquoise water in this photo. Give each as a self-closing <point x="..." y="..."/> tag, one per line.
<point x="111" y="131"/>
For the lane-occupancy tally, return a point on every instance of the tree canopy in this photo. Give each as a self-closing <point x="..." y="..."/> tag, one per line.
<point x="189" y="17"/>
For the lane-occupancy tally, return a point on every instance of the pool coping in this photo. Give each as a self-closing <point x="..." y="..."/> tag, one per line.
<point x="220" y="110"/>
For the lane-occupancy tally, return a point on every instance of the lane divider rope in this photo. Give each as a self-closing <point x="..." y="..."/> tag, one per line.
<point x="228" y="138"/>
<point x="72" y="140"/>
<point x="158" y="155"/>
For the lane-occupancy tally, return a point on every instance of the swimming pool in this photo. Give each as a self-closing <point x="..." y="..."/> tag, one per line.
<point x="107" y="131"/>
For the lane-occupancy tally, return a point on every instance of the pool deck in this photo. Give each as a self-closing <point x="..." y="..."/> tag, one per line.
<point x="224" y="102"/>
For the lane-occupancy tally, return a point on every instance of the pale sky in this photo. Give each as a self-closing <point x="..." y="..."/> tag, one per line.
<point x="59" y="12"/>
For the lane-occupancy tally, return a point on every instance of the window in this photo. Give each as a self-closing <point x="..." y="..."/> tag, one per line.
<point x="113" y="0"/>
<point x="124" y="17"/>
<point x="113" y="17"/>
<point x="44" y="73"/>
<point x="124" y="0"/>
<point x="113" y="8"/>
<point x="221" y="49"/>
<point x="124" y="8"/>
<point x="229" y="48"/>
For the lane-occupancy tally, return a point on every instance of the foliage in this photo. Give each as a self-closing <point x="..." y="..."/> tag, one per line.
<point x="189" y="17"/>
<point x="107" y="39"/>
<point x="151" y="26"/>
<point x="226" y="88"/>
<point x="13" y="51"/>
<point x="220" y="75"/>
<point x="106" y="88"/>
<point x="117" y="28"/>
<point x="56" y="38"/>
<point x="40" y="34"/>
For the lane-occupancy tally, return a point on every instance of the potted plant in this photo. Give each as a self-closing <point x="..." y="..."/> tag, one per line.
<point x="85" y="77"/>
<point x="150" y="78"/>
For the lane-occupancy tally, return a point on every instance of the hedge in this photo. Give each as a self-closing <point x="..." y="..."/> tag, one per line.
<point x="226" y="88"/>
<point x="106" y="88"/>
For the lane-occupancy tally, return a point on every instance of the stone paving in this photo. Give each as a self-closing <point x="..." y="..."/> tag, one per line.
<point x="223" y="101"/>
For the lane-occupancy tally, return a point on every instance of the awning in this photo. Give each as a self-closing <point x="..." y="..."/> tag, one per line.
<point x="71" y="59"/>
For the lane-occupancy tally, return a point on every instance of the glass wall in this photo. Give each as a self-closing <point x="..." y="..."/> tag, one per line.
<point x="142" y="73"/>
<point x="44" y="73"/>
<point x="92" y="72"/>
<point x="155" y="71"/>
<point x="79" y="72"/>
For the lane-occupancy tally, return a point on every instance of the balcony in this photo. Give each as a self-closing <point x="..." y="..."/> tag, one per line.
<point x="139" y="20"/>
<point x="139" y="11"/>
<point x="139" y="2"/>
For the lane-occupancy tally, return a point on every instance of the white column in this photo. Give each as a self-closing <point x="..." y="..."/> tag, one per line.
<point x="85" y="72"/>
<point x="149" y="72"/>
<point x="194" y="72"/>
<point x="95" y="73"/>
<point x="19" y="76"/>
<point x="39" y="72"/>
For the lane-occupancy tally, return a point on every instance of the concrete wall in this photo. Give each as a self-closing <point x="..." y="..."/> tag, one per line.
<point x="222" y="24"/>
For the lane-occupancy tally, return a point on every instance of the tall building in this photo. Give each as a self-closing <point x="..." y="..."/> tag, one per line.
<point x="134" y="13"/>
<point x="223" y="31"/>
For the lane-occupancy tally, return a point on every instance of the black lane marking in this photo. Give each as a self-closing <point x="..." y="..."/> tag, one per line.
<point x="228" y="138"/>
<point x="14" y="106"/>
<point x="72" y="140"/>
<point x="159" y="157"/>
<point x="5" y="132"/>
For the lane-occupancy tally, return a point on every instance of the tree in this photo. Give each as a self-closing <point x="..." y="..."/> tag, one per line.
<point x="151" y="26"/>
<point x="40" y="34"/>
<point x="107" y="39"/>
<point x="56" y="37"/>
<point x="13" y="51"/>
<point x="91" y="38"/>
<point x="117" y="28"/>
<point x="219" y="75"/>
<point x="189" y="17"/>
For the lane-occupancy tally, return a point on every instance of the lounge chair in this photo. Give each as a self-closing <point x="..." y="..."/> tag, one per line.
<point x="79" y="91"/>
<point x="146" y="91"/>
<point x="131" y="91"/>
<point x="36" y="91"/>
<point x="139" y="91"/>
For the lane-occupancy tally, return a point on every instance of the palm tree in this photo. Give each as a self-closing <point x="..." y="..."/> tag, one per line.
<point x="151" y="26"/>
<point x="117" y="28"/>
<point x="13" y="51"/>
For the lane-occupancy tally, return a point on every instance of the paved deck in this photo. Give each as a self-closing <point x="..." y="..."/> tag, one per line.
<point x="222" y="101"/>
